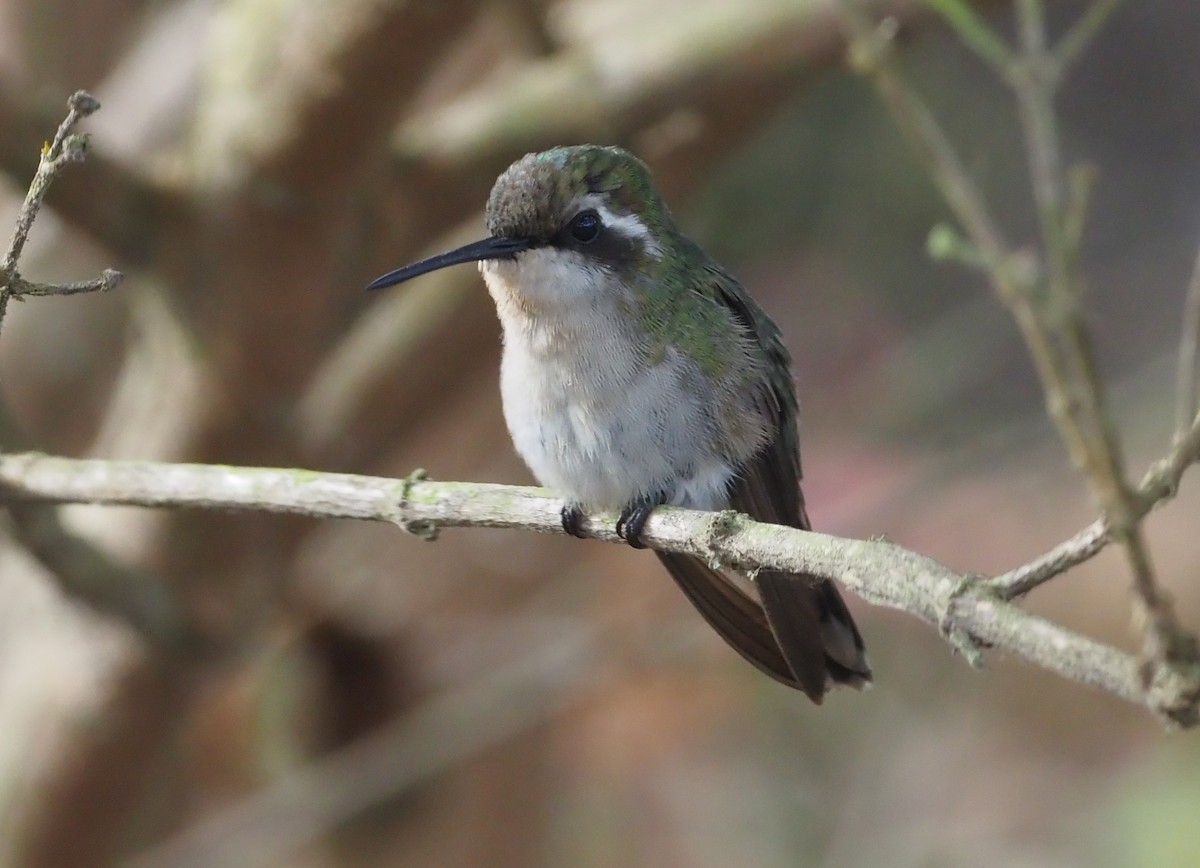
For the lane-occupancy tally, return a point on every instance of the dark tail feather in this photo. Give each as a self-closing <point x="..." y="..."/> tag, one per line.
<point x="815" y="631"/>
<point x="738" y="619"/>
<point x="800" y="636"/>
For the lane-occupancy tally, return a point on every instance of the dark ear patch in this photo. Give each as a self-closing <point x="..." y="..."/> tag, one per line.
<point x="616" y="251"/>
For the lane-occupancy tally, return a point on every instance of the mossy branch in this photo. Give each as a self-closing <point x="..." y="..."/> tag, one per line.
<point x="972" y="615"/>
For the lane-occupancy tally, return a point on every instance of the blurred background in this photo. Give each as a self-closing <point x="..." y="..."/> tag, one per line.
<point x="504" y="699"/>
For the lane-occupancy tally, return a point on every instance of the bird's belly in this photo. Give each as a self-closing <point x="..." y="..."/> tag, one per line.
<point x="604" y="433"/>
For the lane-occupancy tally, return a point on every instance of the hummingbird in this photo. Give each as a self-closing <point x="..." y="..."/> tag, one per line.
<point x="636" y="373"/>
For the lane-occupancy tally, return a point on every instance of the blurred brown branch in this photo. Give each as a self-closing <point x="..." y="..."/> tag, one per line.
<point x="436" y="735"/>
<point x="964" y="608"/>
<point x="1043" y="294"/>
<point x="350" y="47"/>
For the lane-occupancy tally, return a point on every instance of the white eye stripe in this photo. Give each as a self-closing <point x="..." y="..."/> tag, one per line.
<point x="629" y="225"/>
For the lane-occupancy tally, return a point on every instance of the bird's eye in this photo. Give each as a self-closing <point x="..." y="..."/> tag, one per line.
<point x="585" y="226"/>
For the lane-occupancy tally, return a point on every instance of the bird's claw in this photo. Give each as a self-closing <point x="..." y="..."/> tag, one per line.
<point x="572" y="520"/>
<point x="632" y="521"/>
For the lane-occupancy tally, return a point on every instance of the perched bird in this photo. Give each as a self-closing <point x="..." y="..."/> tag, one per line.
<point x="637" y="372"/>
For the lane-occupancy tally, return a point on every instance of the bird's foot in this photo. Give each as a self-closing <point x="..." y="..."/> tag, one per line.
<point x="572" y="518"/>
<point x="632" y="520"/>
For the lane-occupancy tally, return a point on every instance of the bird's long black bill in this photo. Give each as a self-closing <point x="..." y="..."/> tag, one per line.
<point x="488" y="248"/>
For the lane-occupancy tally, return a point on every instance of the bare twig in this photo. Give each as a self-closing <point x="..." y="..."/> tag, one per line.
<point x="65" y="148"/>
<point x="975" y="32"/>
<point x="140" y="601"/>
<point x="1074" y="392"/>
<point x="1081" y="34"/>
<point x="108" y="279"/>
<point x="1045" y="302"/>
<point x="1156" y="488"/>
<point x="870" y="47"/>
<point x="1071" y="552"/>
<point x="970" y="614"/>
<point x="1187" y="388"/>
<point x="123" y="207"/>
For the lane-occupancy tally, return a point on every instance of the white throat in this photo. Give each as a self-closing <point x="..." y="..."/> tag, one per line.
<point x="556" y="293"/>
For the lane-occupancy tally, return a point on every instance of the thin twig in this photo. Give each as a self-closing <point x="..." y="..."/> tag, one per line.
<point x="1157" y="487"/>
<point x="63" y="149"/>
<point x="975" y="32"/>
<point x="1187" y="387"/>
<point x="1069" y="553"/>
<point x="108" y="279"/>
<point x="1045" y="307"/>
<point x="66" y="147"/>
<point x="965" y="609"/>
<point x="1070" y="47"/>
<point x="870" y="47"/>
<point x="1074" y="392"/>
<point x="138" y="600"/>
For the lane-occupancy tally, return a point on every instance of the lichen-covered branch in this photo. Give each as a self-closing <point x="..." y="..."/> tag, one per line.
<point x="67" y="147"/>
<point x="265" y="115"/>
<point x="966" y="610"/>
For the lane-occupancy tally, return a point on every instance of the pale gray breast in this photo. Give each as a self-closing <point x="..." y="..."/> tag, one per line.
<point x="596" y="412"/>
<point x="601" y="428"/>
